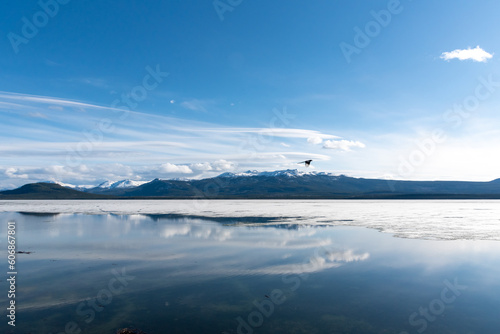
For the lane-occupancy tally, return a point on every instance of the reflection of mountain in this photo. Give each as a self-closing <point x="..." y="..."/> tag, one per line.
<point x="222" y="220"/>
<point x="286" y="184"/>
<point x="39" y="214"/>
<point x="269" y="222"/>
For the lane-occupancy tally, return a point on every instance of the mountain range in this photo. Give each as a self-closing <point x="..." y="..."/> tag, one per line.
<point x="283" y="184"/>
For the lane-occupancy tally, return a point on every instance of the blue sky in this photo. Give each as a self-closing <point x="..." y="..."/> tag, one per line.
<point x="95" y="91"/>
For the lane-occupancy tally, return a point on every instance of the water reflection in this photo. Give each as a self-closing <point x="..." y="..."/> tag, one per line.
<point x="195" y="275"/>
<point x="39" y="214"/>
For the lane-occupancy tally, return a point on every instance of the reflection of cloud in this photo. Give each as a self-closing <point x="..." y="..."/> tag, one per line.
<point x="346" y="256"/>
<point x="330" y="259"/>
<point x="292" y="241"/>
<point x="210" y="232"/>
<point x="167" y="252"/>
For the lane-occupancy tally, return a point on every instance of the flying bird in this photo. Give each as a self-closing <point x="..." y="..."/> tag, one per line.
<point x="307" y="162"/>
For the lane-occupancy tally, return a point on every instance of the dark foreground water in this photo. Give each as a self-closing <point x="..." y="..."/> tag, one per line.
<point x="177" y="274"/>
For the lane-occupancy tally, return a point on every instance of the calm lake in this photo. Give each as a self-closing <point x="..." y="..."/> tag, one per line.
<point x="254" y="266"/>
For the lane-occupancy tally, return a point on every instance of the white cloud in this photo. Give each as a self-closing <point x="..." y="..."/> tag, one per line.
<point x="14" y="173"/>
<point x="344" y="145"/>
<point x="315" y="140"/>
<point x="172" y="168"/>
<point x="476" y="54"/>
<point x="201" y="166"/>
<point x="80" y="174"/>
<point x="223" y="165"/>
<point x="217" y="166"/>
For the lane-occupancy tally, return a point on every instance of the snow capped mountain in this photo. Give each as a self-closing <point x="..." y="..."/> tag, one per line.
<point x="247" y="173"/>
<point x="281" y="184"/>
<point x="67" y="185"/>
<point x="286" y="172"/>
<point x="125" y="184"/>
<point x="120" y="184"/>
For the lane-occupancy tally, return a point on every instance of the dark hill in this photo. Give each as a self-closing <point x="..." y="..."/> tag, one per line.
<point x="46" y="191"/>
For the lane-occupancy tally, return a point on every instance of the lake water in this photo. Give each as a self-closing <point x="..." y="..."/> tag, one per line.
<point x="254" y="266"/>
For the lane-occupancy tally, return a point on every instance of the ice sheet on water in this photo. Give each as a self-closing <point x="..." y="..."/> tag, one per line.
<point x="423" y="219"/>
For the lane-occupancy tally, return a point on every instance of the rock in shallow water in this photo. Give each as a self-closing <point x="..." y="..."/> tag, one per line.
<point x="130" y="331"/>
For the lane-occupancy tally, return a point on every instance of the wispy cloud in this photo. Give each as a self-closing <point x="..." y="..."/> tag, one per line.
<point x="138" y="146"/>
<point x="95" y="82"/>
<point x="477" y="54"/>
<point x="37" y="115"/>
<point x="52" y="63"/>
<point x="196" y="105"/>
<point x="53" y="101"/>
<point x="275" y="132"/>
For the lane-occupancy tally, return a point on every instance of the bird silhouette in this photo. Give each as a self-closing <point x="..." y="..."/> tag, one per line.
<point x="307" y="162"/>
